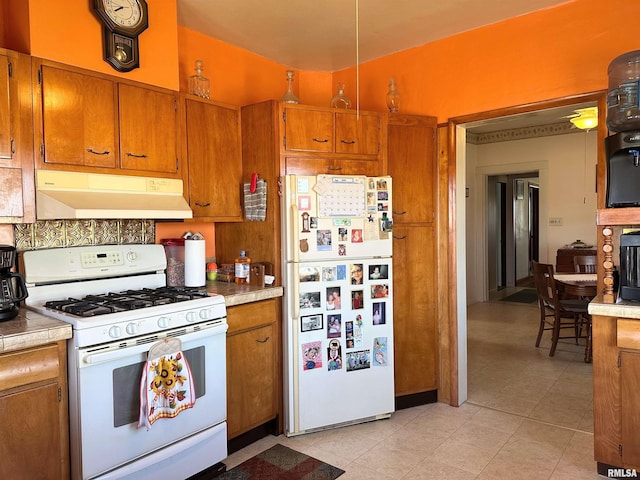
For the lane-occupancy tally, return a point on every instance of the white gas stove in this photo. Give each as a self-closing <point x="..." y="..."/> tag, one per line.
<point x="116" y="299"/>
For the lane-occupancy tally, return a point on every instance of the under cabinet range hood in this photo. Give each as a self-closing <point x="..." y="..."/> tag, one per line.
<point x="64" y="195"/>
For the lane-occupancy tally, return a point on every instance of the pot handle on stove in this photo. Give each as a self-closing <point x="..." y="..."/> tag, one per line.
<point x="22" y="287"/>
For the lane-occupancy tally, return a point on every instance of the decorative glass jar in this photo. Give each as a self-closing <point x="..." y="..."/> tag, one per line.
<point x="393" y="96"/>
<point x="340" y="100"/>
<point x="289" y="96"/>
<point x="199" y="84"/>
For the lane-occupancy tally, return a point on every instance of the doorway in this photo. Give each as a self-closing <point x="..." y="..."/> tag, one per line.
<point x="470" y="257"/>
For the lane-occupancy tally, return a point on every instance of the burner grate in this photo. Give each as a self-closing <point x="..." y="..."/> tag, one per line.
<point x="113" y="302"/>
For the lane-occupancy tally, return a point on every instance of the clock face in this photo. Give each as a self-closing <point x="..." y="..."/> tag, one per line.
<point x="126" y="13"/>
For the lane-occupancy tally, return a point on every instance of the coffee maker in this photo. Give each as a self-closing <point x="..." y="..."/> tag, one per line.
<point x="12" y="287"/>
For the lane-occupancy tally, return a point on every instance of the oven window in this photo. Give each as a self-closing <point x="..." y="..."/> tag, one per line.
<point x="126" y="386"/>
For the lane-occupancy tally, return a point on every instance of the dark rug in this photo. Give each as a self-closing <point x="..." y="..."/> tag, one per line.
<point x="526" y="295"/>
<point x="282" y="463"/>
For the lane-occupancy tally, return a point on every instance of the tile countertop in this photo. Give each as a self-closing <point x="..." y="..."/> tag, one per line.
<point x="237" y="294"/>
<point x="30" y="329"/>
<point x="622" y="309"/>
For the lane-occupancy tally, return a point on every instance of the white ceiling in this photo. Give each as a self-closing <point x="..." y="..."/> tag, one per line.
<point x="320" y="35"/>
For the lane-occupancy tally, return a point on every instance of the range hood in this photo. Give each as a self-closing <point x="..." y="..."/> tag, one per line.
<point x="63" y="195"/>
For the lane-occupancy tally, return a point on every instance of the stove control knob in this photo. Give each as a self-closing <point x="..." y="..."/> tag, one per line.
<point x="132" y="328"/>
<point x="131" y="255"/>
<point x="204" y="314"/>
<point x="114" y="332"/>
<point x="163" y="322"/>
<point x="192" y="317"/>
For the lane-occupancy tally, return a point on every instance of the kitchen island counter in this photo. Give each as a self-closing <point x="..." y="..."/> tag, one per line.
<point x="31" y="329"/>
<point x="623" y="308"/>
<point x="239" y="294"/>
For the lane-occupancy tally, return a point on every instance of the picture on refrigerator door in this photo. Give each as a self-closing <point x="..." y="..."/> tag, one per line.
<point x="356" y="274"/>
<point x="334" y="326"/>
<point x="353" y="332"/>
<point x="343" y="234"/>
<point x="311" y="322"/>
<point x="378" y="272"/>
<point x="342" y="250"/>
<point x="342" y="272"/>
<point x="356" y="235"/>
<point x="358" y="360"/>
<point x="334" y="301"/>
<point x="379" y="291"/>
<point x="312" y="355"/>
<point x="323" y="240"/>
<point x="310" y="300"/>
<point x="379" y="315"/>
<point x="380" y="352"/>
<point x="357" y="299"/>
<point x="309" y="274"/>
<point x="334" y="355"/>
<point x="329" y="274"/>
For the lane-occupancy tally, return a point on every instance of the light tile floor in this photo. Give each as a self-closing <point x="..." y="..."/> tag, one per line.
<point x="528" y="416"/>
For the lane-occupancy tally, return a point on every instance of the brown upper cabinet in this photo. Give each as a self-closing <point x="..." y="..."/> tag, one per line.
<point x="88" y="121"/>
<point x="327" y="130"/>
<point x="16" y="138"/>
<point x="213" y="149"/>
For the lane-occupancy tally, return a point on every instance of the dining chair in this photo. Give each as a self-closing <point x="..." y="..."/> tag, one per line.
<point x="556" y="314"/>
<point x="585" y="263"/>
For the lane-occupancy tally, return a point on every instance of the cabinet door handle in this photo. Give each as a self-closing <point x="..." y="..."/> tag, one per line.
<point x="198" y="204"/>
<point x="399" y="238"/>
<point x="263" y="341"/>
<point x="91" y="150"/>
<point x="399" y="213"/>
<point x="348" y="142"/>
<point x="129" y="154"/>
<point x="334" y="169"/>
<point x="320" y="141"/>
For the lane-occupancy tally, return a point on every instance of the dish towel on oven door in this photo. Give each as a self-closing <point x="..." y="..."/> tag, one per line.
<point x="166" y="387"/>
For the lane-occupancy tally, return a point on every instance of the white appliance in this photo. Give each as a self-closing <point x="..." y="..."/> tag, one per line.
<point x="338" y="306"/>
<point x="115" y="298"/>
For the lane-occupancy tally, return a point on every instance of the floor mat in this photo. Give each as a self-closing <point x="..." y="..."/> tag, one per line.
<point x="526" y="295"/>
<point x="280" y="462"/>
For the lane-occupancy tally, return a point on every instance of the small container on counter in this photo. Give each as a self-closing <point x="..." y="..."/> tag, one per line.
<point x="243" y="268"/>
<point x="174" y="250"/>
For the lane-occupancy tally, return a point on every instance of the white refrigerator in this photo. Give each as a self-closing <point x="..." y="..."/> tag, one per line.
<point x="338" y="305"/>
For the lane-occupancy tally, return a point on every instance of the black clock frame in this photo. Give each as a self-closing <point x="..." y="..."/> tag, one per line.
<point x="116" y="37"/>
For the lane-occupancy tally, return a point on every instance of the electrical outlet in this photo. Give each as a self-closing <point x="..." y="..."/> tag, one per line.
<point x="555" y="221"/>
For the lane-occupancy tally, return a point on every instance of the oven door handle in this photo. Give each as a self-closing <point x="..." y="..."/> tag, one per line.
<point x="89" y="359"/>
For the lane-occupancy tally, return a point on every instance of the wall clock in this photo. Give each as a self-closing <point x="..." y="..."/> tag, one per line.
<point x="122" y="22"/>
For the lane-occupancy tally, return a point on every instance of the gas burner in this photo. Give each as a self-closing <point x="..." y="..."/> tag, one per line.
<point x="113" y="302"/>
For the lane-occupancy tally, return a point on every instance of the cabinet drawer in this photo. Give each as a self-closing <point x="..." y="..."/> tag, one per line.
<point x="251" y="315"/>
<point x="628" y="334"/>
<point x="28" y="366"/>
<point x="318" y="166"/>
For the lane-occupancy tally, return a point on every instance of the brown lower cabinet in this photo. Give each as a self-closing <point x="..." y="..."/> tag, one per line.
<point x="253" y="385"/>
<point x="33" y="409"/>
<point x="616" y="392"/>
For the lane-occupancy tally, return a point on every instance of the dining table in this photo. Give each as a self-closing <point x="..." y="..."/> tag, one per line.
<point x="583" y="286"/>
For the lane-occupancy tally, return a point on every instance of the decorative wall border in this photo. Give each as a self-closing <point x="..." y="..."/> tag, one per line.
<point x="73" y="233"/>
<point x="522" y="133"/>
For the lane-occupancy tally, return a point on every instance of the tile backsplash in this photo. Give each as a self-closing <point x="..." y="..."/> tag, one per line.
<point x="73" y="233"/>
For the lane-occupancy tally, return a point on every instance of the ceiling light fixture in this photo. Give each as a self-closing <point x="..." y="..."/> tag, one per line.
<point x="585" y="118"/>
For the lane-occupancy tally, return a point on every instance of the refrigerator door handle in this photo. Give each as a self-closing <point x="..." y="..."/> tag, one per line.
<point x="295" y="236"/>
<point x="295" y="298"/>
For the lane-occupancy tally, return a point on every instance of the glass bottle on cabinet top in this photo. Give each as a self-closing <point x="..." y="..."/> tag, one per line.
<point x="289" y="96"/>
<point x="393" y="96"/>
<point x="340" y="100"/>
<point x="199" y="84"/>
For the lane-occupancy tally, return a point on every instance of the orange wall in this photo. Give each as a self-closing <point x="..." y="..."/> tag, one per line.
<point x="240" y="77"/>
<point x="68" y="32"/>
<point x="544" y="55"/>
<point x="548" y="54"/>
